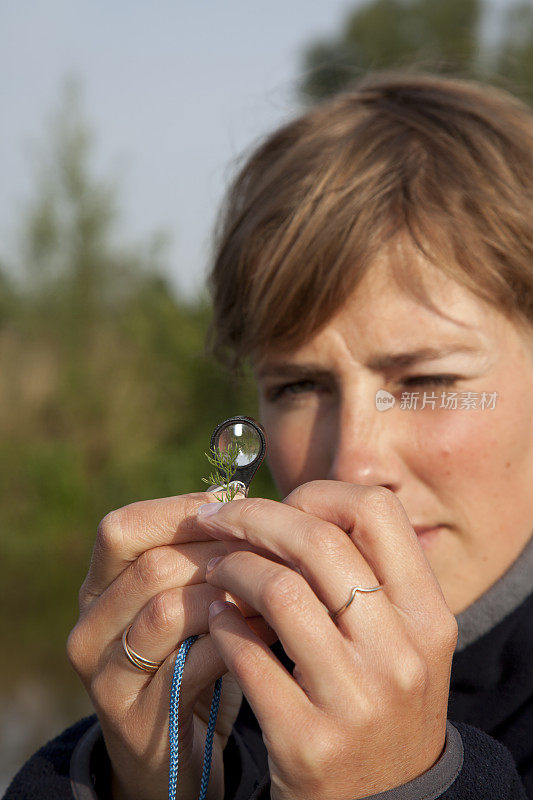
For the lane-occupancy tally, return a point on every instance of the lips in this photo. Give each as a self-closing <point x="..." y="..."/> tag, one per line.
<point x="427" y="533"/>
<point x="420" y="529"/>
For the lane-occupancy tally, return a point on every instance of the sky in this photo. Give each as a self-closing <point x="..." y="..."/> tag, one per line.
<point x="174" y="93"/>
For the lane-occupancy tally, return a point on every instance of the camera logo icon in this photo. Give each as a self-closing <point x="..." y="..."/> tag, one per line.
<point x="384" y="400"/>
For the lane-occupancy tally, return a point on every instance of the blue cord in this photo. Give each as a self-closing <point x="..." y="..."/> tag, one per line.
<point x="173" y="723"/>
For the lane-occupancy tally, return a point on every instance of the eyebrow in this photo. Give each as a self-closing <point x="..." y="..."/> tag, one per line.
<point x="380" y="362"/>
<point x="386" y="361"/>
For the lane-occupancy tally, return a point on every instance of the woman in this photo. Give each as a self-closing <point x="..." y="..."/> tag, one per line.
<point x="374" y="263"/>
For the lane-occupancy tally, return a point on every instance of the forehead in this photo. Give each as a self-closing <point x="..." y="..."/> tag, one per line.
<point x="380" y="311"/>
<point x="381" y="318"/>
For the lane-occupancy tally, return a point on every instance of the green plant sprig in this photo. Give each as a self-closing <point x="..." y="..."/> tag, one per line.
<point x="225" y="464"/>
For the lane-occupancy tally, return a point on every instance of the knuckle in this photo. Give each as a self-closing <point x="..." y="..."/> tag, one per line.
<point x="155" y="566"/>
<point x="327" y="751"/>
<point x="74" y="647"/>
<point x="282" y="590"/>
<point x="320" y="751"/>
<point x="251" y="509"/>
<point x="164" y="611"/>
<point x="298" y="497"/>
<point x="117" y="525"/>
<point x="379" y="501"/>
<point x="246" y="662"/>
<point x="110" y="533"/>
<point x="80" y="651"/>
<point x="237" y="558"/>
<point x="182" y="509"/>
<point x="330" y="544"/>
<point x="412" y="674"/>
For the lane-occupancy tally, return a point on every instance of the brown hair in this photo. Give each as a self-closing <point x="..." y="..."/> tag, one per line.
<point x="442" y="163"/>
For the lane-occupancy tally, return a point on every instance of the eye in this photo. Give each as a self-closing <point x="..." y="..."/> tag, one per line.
<point x="289" y="390"/>
<point x="430" y="380"/>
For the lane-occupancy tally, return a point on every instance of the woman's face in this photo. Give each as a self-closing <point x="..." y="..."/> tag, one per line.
<point x="467" y="472"/>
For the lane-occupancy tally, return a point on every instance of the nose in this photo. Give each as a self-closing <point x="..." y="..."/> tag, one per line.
<point x="364" y="448"/>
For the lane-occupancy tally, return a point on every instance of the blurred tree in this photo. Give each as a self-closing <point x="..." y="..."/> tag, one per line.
<point x="444" y="36"/>
<point x="515" y="55"/>
<point x="106" y="396"/>
<point x="8" y="297"/>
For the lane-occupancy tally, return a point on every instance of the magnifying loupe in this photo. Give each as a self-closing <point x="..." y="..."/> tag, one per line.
<point x="248" y="437"/>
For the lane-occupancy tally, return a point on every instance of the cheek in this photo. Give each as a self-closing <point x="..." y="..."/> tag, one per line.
<point x="479" y="462"/>
<point x="455" y="444"/>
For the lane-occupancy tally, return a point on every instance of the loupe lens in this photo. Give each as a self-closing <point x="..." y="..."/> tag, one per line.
<point x="247" y="439"/>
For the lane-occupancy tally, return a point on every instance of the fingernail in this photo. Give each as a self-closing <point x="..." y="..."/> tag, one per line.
<point x="219" y="605"/>
<point x="212" y="562"/>
<point x="208" y="509"/>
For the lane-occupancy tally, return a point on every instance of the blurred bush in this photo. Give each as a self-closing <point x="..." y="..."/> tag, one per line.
<point x="106" y="396"/>
<point x="470" y="38"/>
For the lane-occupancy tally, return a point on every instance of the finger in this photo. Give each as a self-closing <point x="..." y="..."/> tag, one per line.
<point x="174" y="615"/>
<point x="377" y="523"/>
<point x="273" y="694"/>
<point x="168" y="617"/>
<point x="288" y="604"/>
<point x="157" y="569"/>
<point x="318" y="549"/>
<point x="127" y="532"/>
<point x="119" y="684"/>
<point x="203" y="665"/>
<point x="154" y="571"/>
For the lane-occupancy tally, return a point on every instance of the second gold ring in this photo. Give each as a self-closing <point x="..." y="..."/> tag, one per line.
<point x="138" y="661"/>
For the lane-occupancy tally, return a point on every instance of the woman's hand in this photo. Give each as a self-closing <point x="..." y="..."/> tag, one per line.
<point x="365" y="709"/>
<point x="148" y="571"/>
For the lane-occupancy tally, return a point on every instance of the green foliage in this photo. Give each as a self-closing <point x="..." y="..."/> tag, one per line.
<point x="443" y="36"/>
<point x="106" y="394"/>
<point x="225" y="464"/>
<point x="514" y="59"/>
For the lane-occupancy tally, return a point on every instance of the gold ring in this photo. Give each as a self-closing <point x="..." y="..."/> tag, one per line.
<point x="355" y="589"/>
<point x="138" y="661"/>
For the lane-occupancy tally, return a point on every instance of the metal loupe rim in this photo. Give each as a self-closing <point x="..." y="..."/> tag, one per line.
<point x="246" y="472"/>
